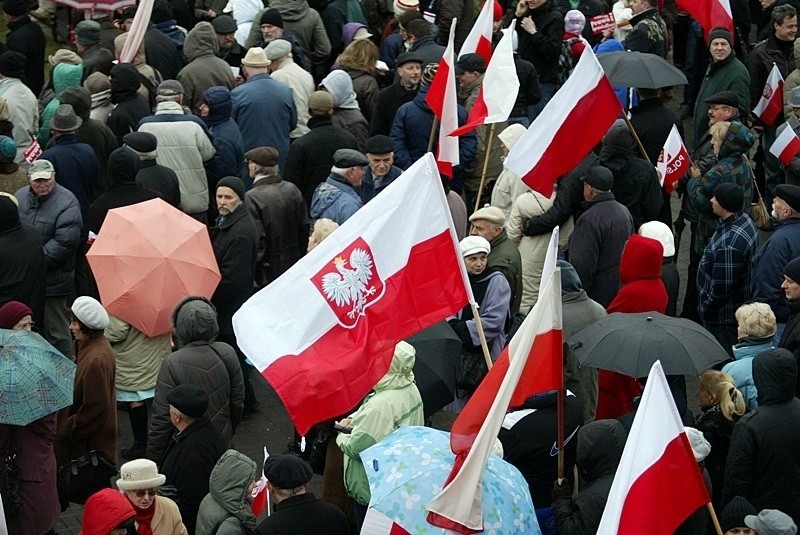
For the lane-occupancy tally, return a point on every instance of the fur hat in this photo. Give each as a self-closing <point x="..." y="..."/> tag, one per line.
<point x="574" y="21"/>
<point x="139" y="474"/>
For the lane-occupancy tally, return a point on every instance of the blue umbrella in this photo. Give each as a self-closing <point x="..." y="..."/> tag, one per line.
<point x="35" y="379"/>
<point x="407" y="469"/>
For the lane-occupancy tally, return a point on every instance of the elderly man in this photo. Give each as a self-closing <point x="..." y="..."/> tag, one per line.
<point x="404" y="89"/>
<point x="272" y="29"/>
<point x="790" y="339"/>
<point x="229" y="50"/>
<point x="280" y="215"/>
<point x="22" y="105"/>
<point x="151" y="175"/>
<point x="283" y="68"/>
<point x="262" y="107"/>
<point x="337" y="198"/>
<point x="56" y="215"/>
<point x="488" y="223"/>
<point x="381" y="170"/>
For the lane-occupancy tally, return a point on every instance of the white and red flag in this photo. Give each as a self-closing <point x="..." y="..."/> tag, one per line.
<point x="657" y="454"/>
<point x="770" y="106"/>
<point x="673" y="162"/>
<point x="33" y="151"/>
<point x="710" y="14"/>
<point x="571" y="124"/>
<point x="324" y="332"/>
<point x="442" y="98"/>
<point x="531" y="363"/>
<point x="499" y="89"/>
<point x="786" y="146"/>
<point x="141" y="21"/>
<point x="479" y="40"/>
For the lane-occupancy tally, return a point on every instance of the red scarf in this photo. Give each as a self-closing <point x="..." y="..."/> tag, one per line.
<point x="143" y="518"/>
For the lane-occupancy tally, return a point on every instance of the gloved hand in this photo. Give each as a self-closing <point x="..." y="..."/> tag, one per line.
<point x="561" y="489"/>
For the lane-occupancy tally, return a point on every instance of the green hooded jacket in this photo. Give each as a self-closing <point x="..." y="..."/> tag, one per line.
<point x="227" y="497"/>
<point x="64" y="75"/>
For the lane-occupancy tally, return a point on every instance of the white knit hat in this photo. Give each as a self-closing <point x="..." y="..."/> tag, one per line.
<point x="401" y="6"/>
<point x="90" y="312"/>
<point x="700" y="446"/>
<point x="474" y="244"/>
<point x="511" y="134"/>
<point x="660" y="232"/>
<point x="139" y="474"/>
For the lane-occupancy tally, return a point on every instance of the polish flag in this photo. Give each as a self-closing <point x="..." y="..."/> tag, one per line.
<point x="656" y="455"/>
<point x="442" y="98"/>
<point x="324" y="332"/>
<point x="786" y="146"/>
<point x="498" y="92"/>
<point x="260" y="493"/>
<point x="377" y="523"/>
<point x="532" y="363"/>
<point x="770" y="106"/>
<point x="571" y="124"/>
<point x="479" y="40"/>
<point x="710" y="14"/>
<point x="32" y="154"/>
<point x="673" y="162"/>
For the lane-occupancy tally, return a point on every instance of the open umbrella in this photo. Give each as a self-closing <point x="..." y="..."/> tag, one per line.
<point x="146" y="258"/>
<point x="409" y="467"/>
<point x="35" y="379"/>
<point x="638" y="69"/>
<point x="631" y="343"/>
<point x="438" y="351"/>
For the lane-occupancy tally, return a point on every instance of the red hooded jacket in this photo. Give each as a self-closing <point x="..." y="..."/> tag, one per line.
<point x="104" y="511"/>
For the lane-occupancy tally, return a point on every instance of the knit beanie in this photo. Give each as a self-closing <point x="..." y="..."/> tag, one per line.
<point x="574" y="21"/>
<point x="720" y="33"/>
<point x="729" y="196"/>
<point x="8" y="149"/>
<point x="792" y="269"/>
<point x="9" y="214"/>
<point x="235" y="183"/>
<point x="402" y="6"/>
<point x="272" y="16"/>
<point x="12" y="312"/>
<point x="733" y="514"/>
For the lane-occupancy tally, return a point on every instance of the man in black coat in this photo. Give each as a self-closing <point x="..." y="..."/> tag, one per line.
<point x="27" y="38"/>
<point x="404" y="89"/>
<point x="540" y="29"/>
<point x="418" y="34"/>
<point x="193" y="451"/>
<point x="151" y="175"/>
<point x="129" y="106"/>
<point x="790" y="338"/>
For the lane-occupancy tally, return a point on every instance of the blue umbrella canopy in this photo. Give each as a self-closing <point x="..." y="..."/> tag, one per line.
<point x="35" y="379"/>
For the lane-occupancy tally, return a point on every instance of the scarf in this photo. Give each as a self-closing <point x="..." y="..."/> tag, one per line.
<point x="143" y="519"/>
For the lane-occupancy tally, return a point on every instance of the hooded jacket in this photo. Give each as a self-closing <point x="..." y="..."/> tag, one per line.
<point x="227" y="497"/>
<point x="64" y="75"/>
<point x="764" y="461"/>
<point x="104" y="511"/>
<point x="394" y="402"/>
<point x="205" y="69"/>
<point x="600" y="445"/>
<point x="227" y="140"/>
<point x="346" y="114"/>
<point x="129" y="106"/>
<point x="301" y="21"/>
<point x="198" y="360"/>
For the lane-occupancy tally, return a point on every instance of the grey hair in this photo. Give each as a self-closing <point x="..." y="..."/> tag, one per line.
<point x="169" y="98"/>
<point x="341" y="171"/>
<point x="266" y="170"/>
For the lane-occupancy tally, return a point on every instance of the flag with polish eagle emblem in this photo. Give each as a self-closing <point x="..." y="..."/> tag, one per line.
<point x="770" y="106"/>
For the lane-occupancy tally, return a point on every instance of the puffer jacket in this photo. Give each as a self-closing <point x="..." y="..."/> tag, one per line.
<point x="205" y="69"/>
<point x="335" y="199"/>
<point x="600" y="445"/>
<point x="183" y="148"/>
<point x="64" y="75"/>
<point x="104" y="511"/>
<point x="226" y="500"/>
<point x="741" y="369"/>
<point x="732" y="167"/>
<point x="138" y="356"/>
<point x="394" y="402"/>
<point x="198" y="360"/>
<point x="227" y="139"/>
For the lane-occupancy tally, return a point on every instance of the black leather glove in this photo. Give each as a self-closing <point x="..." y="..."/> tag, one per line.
<point x="561" y="490"/>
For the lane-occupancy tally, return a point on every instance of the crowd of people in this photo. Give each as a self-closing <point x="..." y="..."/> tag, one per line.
<point x="274" y="124"/>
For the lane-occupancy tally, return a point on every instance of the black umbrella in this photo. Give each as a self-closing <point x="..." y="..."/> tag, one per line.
<point x="438" y="351"/>
<point x="638" y="69"/>
<point x="631" y="343"/>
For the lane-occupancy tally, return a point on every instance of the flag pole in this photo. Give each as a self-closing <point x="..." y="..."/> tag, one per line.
<point x="433" y="133"/>
<point x="481" y="335"/>
<point x="485" y="167"/>
<point x="714" y="518"/>
<point x="635" y="137"/>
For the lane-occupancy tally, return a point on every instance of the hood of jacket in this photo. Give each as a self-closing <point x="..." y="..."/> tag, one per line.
<point x="229" y="482"/>
<point x="290" y="10"/>
<point x="401" y="370"/>
<point x="616" y="159"/>
<point x="104" y="511"/>
<point x="738" y="141"/>
<point x="123" y="164"/>
<point x="80" y="100"/>
<point x="66" y="75"/>
<point x="201" y="41"/>
<point x="219" y="103"/>
<point x="641" y="259"/>
<point x="339" y="84"/>
<point x="194" y="320"/>
<point x="125" y="82"/>
<point x="775" y="375"/>
<point x="570" y="281"/>
<point x="610" y="45"/>
<point x="600" y="445"/>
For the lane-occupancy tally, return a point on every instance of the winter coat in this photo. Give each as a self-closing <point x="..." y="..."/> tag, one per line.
<point x="187" y="464"/>
<point x="264" y="110"/>
<point x="596" y="244"/>
<point x="505" y="257"/>
<point x="635" y="183"/>
<point x="23" y="107"/>
<point x="304" y="514"/>
<point x="371" y="186"/>
<point x="64" y="75"/>
<point x="302" y="84"/>
<point x="198" y="360"/>
<point x="741" y="369"/>
<point x="781" y="247"/>
<point x="494" y="310"/>
<point x="129" y="106"/>
<point x="77" y="168"/>
<point x="600" y="445"/>
<point x="792" y="81"/>
<point x="366" y="89"/>
<point x="446" y="11"/>
<point x="227" y="139"/>
<point x="301" y="21"/>
<point x="281" y="217"/>
<point x="387" y="103"/>
<point x="138" y="356"/>
<point x="530" y="92"/>
<point x="427" y="49"/>
<point x="759" y="64"/>
<point x="394" y="402"/>
<point x="97" y="58"/>
<point x="649" y="34"/>
<point x="730" y="74"/>
<point x="104" y="511"/>
<point x="672" y="282"/>
<point x="26" y="37"/>
<point x="205" y="69"/>
<point x="732" y="167"/>
<point x="36" y="461"/>
<point x="335" y="199"/>
<point x="183" y="148"/>
<point x="91" y="421"/>
<point x="347" y="114"/>
<point x="57" y="219"/>
<point x="471" y="177"/>
<point x="160" y="179"/>
<point x="162" y="53"/>
<point x="167" y="518"/>
<point x="790" y="339"/>
<point x="653" y="122"/>
<point x="24" y="267"/>
<point x="764" y="461"/>
<point x="311" y="156"/>
<point x="717" y="431"/>
<point x="335" y="14"/>
<point x="507" y="189"/>
<point x="543" y="48"/>
<point x="227" y="499"/>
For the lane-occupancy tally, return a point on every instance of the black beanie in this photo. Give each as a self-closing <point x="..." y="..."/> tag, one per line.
<point x="733" y="514"/>
<point x="720" y="33"/>
<point x="12" y="64"/>
<point x="235" y="183"/>
<point x="792" y="269"/>
<point x="272" y="16"/>
<point x="729" y="196"/>
<point x="9" y="213"/>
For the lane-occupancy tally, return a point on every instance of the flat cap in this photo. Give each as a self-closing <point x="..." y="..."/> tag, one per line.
<point x="320" y="101"/>
<point x="600" y="178"/>
<point x="379" y="144"/>
<point x="726" y="98"/>
<point x="345" y="158"/>
<point x="224" y="24"/>
<point x="277" y="49"/>
<point x="263" y="156"/>
<point x="492" y="214"/>
<point x="470" y="62"/>
<point x="191" y="400"/>
<point x="286" y="471"/>
<point x="170" y="88"/>
<point x="141" y="141"/>
<point x="408" y="57"/>
<point x="790" y="194"/>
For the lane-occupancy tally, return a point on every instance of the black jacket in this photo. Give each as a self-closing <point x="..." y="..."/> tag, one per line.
<point x="97" y="58"/>
<point x="672" y="282"/>
<point x="427" y="49"/>
<point x="759" y="65"/>
<point x="764" y="460"/>
<point x="543" y="48"/>
<point x="161" y="53"/>
<point x="790" y="339"/>
<point x="653" y="123"/>
<point x="129" y="106"/>
<point x="24" y="266"/>
<point x="160" y="179"/>
<point x="635" y="183"/>
<point x="187" y="465"/>
<point x="304" y="515"/>
<point x="717" y="431"/>
<point x="649" y="34"/>
<point x="529" y="91"/>
<point x="388" y="102"/>
<point x="27" y="38"/>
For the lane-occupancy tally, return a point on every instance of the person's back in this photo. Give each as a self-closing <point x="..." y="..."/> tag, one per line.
<point x="129" y="106"/>
<point x="151" y="175"/>
<point x="226" y="508"/>
<point x="205" y="69"/>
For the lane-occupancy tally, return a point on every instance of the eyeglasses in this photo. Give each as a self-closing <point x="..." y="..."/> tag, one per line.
<point x="28" y="325"/>
<point x="143" y="492"/>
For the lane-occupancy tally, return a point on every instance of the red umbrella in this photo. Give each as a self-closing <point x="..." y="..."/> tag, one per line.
<point x="97" y="5"/>
<point x="146" y="258"/>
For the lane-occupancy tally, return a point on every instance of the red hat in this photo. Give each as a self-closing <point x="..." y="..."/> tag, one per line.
<point x="498" y="11"/>
<point x="12" y="312"/>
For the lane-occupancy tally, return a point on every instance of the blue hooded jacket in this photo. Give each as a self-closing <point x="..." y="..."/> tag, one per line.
<point x="226" y="137"/>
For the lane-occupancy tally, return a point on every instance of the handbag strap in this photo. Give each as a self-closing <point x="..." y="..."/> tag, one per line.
<point x="753" y="178"/>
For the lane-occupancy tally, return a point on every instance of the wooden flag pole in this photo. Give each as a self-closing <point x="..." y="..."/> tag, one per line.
<point x="433" y="133"/>
<point x="714" y="518"/>
<point x="635" y="137"/>
<point x="560" y="430"/>
<point x="481" y="335"/>
<point x="485" y="167"/>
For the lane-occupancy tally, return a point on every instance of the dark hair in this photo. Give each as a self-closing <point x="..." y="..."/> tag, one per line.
<point x="781" y="13"/>
<point x="90" y="333"/>
<point x="404" y="19"/>
<point x="418" y="28"/>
